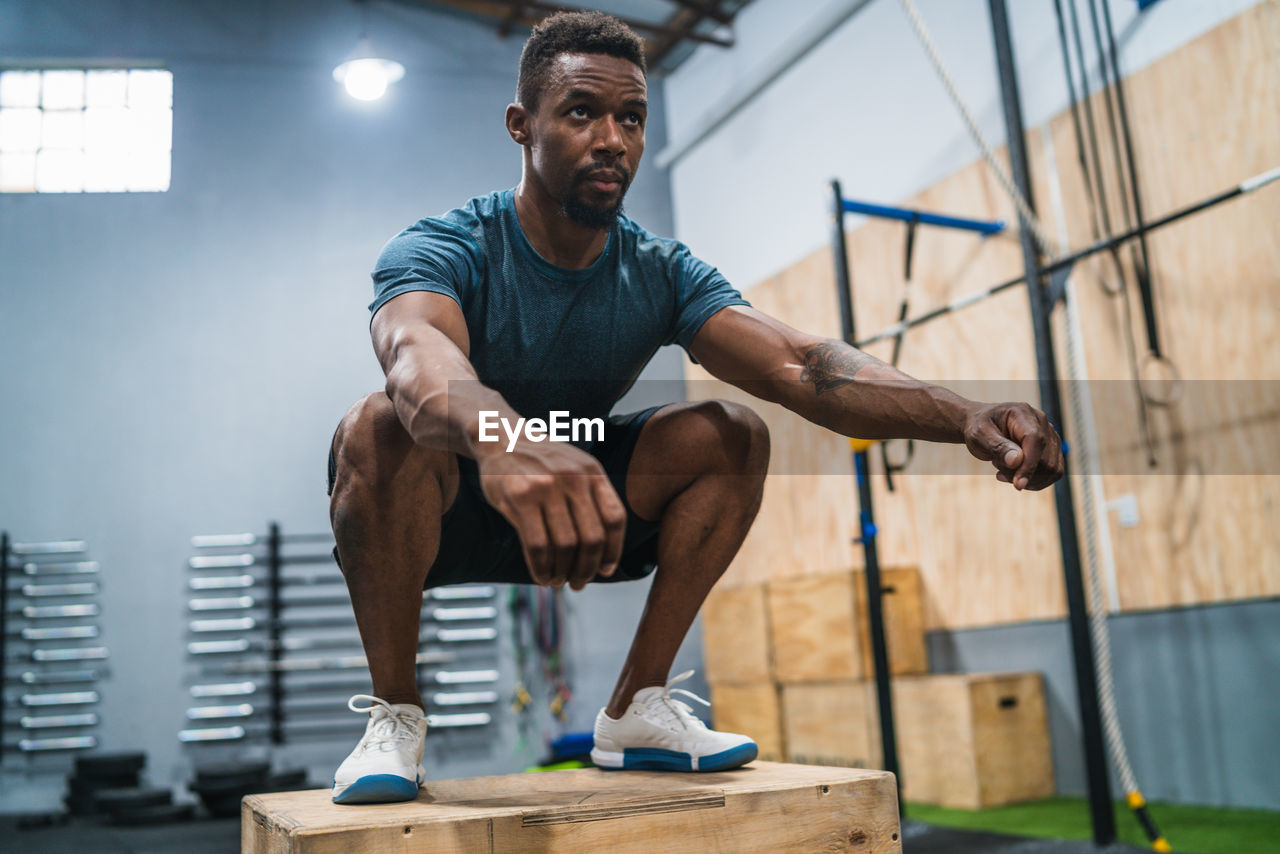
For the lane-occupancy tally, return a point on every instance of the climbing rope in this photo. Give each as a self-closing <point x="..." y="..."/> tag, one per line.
<point x="988" y="153"/>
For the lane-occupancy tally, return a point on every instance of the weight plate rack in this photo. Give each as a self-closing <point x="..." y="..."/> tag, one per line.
<point x="274" y="653"/>
<point x="51" y="651"/>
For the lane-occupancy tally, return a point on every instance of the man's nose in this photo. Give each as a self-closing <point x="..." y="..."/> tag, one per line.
<point x="609" y="137"/>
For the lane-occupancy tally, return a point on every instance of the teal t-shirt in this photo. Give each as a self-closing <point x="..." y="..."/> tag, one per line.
<point x="545" y="337"/>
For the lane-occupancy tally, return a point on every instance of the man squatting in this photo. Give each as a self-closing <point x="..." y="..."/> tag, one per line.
<point x="546" y="298"/>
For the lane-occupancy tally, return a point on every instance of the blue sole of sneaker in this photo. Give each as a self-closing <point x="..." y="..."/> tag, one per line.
<point x="656" y="759"/>
<point x="378" y="789"/>
<point x="731" y="758"/>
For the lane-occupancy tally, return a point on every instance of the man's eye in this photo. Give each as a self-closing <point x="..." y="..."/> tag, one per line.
<point x="636" y="118"/>
<point x="580" y="112"/>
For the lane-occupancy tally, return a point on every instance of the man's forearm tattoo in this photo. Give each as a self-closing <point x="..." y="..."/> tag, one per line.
<point x="832" y="364"/>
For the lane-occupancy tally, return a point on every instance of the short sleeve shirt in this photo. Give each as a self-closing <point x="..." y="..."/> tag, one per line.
<point x="546" y="337"/>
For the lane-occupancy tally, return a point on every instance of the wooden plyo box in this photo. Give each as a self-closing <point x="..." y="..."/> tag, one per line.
<point x="903" y="602"/>
<point x="735" y="635"/>
<point x="765" y="807"/>
<point x="754" y="709"/>
<point x="965" y="740"/>
<point x="831" y="723"/>
<point x="818" y="625"/>
<point x="973" y="740"/>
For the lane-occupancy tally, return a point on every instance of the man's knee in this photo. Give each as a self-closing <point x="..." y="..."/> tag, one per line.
<point x="733" y="432"/>
<point x="372" y="447"/>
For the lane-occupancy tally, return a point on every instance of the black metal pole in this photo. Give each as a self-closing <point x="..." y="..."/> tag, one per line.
<point x="274" y="632"/>
<point x="1100" y="808"/>
<point x="866" y="516"/>
<point x="4" y="623"/>
<point x="844" y="289"/>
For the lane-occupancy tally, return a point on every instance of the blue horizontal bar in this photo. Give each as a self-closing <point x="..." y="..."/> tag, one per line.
<point x="908" y="215"/>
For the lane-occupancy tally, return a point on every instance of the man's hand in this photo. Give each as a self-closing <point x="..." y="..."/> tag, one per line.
<point x="1018" y="440"/>
<point x="559" y="500"/>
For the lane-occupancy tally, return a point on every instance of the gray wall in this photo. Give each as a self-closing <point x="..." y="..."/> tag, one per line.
<point x="175" y="363"/>
<point x="1196" y="693"/>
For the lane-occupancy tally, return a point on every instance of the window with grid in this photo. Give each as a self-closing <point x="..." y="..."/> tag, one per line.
<point x="76" y="130"/>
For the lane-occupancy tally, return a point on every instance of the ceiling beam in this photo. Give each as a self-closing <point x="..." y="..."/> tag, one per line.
<point x="706" y="8"/>
<point x="642" y="26"/>
<point x="510" y="19"/>
<point x="493" y="10"/>
<point x="659" y="38"/>
<point x="683" y="21"/>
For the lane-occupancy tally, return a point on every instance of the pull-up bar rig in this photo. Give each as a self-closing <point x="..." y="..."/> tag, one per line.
<point x="1043" y="300"/>
<point x="867" y="526"/>
<point x="1060" y="267"/>
<point x="910" y="215"/>
<point x="1048" y="280"/>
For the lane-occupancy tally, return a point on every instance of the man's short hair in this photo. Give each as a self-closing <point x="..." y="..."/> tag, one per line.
<point x="572" y="32"/>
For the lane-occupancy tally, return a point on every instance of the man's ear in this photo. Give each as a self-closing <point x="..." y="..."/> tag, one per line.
<point x="519" y="124"/>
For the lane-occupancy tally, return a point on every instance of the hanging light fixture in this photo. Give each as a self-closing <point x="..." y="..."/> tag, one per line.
<point x="366" y="75"/>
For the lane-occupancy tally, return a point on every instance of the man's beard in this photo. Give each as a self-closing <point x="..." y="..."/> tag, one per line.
<point x="593" y="216"/>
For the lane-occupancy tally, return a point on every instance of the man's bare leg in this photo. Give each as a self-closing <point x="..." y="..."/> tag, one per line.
<point x="386" y="505"/>
<point x="699" y="469"/>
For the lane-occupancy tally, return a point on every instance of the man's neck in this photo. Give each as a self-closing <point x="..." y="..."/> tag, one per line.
<point x="552" y="234"/>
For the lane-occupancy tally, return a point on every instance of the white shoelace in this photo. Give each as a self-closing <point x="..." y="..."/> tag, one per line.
<point x="671" y="709"/>
<point x="391" y="729"/>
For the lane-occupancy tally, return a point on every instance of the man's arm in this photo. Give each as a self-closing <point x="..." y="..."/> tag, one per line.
<point x="568" y="516"/>
<point x="421" y="341"/>
<point x="853" y="393"/>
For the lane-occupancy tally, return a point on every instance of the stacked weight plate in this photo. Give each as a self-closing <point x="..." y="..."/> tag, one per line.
<point x="274" y="652"/>
<point x="51" y="651"/>
<point x="109" y="785"/>
<point x="221" y="786"/>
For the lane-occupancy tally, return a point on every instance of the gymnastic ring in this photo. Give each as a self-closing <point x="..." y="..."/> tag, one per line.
<point x="1100" y="277"/>
<point x="902" y="463"/>
<point x="1172" y="381"/>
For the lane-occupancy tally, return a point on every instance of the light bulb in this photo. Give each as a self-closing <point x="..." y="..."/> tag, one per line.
<point x="367" y="79"/>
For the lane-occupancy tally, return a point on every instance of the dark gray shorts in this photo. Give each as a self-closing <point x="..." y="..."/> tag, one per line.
<point x="478" y="545"/>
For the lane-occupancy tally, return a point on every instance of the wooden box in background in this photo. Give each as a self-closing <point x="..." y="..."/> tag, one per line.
<point x="735" y="635"/>
<point x="973" y="740"/>
<point x="831" y="723"/>
<point x="750" y="708"/>
<point x="818" y="625"/>
<point x="903" y="604"/>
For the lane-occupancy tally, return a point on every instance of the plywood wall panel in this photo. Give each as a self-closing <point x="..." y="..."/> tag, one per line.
<point x="1201" y="123"/>
<point x="1208" y="508"/>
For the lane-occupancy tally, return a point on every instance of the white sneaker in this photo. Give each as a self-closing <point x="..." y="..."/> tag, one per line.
<point x="660" y="733"/>
<point x="386" y="765"/>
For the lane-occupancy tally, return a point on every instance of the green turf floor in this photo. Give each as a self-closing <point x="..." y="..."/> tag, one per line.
<point x="1189" y="829"/>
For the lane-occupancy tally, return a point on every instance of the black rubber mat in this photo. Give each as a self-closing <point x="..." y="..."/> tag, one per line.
<point x="919" y="838"/>
<point x="81" y="836"/>
<point x="154" y="814"/>
<point x="222" y="836"/>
